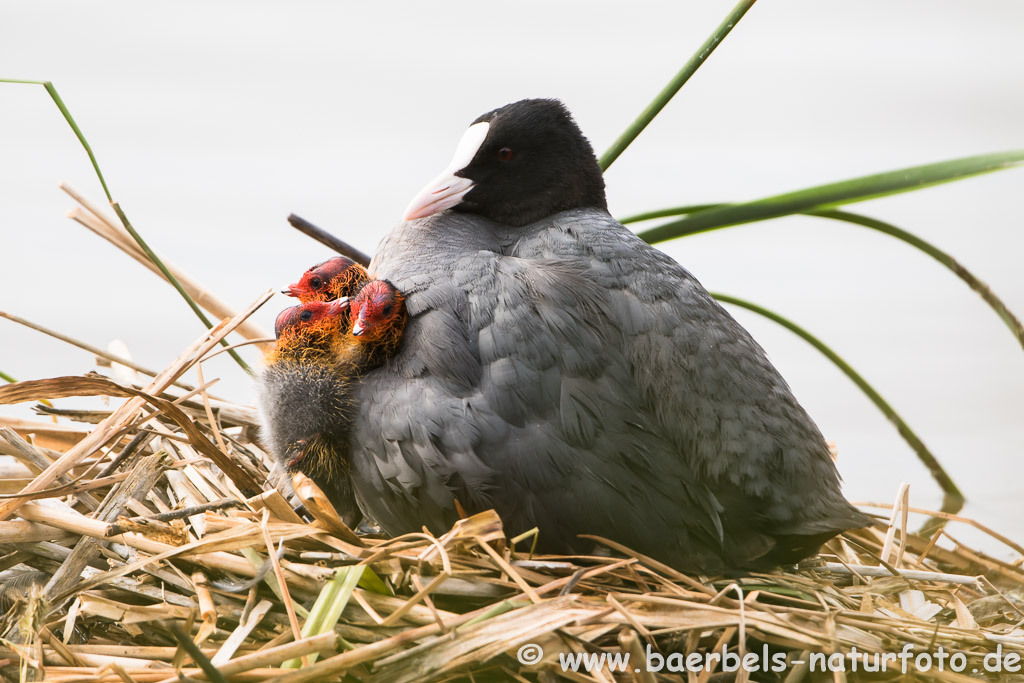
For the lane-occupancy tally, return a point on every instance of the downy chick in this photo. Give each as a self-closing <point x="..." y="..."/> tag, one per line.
<point x="305" y="403"/>
<point x="305" y="390"/>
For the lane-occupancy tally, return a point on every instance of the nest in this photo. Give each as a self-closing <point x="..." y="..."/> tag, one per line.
<point x="144" y="543"/>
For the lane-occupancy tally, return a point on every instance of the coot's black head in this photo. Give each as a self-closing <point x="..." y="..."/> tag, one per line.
<point x="516" y="165"/>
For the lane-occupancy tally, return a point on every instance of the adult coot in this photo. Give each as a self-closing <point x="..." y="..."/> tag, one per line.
<point x="560" y="370"/>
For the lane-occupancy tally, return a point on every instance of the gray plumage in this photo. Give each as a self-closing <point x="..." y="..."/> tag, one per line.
<point x="579" y="380"/>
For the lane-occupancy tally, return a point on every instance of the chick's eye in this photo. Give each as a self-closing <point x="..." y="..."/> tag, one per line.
<point x="305" y="315"/>
<point x="504" y="154"/>
<point x="316" y="283"/>
<point x="387" y="309"/>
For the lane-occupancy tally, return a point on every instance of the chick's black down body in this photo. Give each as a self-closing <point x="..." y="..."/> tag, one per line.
<point x="578" y="380"/>
<point x="306" y="411"/>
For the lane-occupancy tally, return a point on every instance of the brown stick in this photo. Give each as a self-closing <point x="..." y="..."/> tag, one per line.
<point x="328" y="240"/>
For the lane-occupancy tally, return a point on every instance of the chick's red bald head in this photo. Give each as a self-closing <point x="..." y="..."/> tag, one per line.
<point x="335" y="277"/>
<point x="377" y="310"/>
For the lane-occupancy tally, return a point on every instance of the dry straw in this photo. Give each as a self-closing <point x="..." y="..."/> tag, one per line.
<point x="134" y="524"/>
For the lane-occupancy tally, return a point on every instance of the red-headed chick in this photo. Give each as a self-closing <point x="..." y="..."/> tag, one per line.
<point x="305" y="401"/>
<point x="378" y="318"/>
<point x="333" y="279"/>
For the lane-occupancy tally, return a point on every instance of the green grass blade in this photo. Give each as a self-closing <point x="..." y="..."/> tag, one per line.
<point x="953" y="498"/>
<point x="834" y="194"/>
<point x="972" y="281"/>
<point x="174" y="282"/>
<point x="329" y="605"/>
<point x="668" y="213"/>
<point x="71" y="122"/>
<point x="124" y="219"/>
<point x="369" y="581"/>
<point x="677" y="82"/>
<point x="494" y="611"/>
<point x="270" y="577"/>
<point x="942" y="257"/>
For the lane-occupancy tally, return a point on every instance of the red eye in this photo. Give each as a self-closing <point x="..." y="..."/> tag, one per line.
<point x="504" y="154"/>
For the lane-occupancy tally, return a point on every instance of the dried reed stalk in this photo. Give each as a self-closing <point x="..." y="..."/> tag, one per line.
<point x="111" y="230"/>
<point x="427" y="608"/>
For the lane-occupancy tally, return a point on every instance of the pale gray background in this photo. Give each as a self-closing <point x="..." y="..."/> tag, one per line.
<point x="213" y="121"/>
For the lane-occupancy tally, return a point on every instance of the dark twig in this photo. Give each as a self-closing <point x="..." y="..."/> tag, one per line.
<point x="249" y="584"/>
<point x="133" y="445"/>
<point x="193" y="651"/>
<point x="677" y="82"/>
<point x="115" y="530"/>
<point x="328" y="240"/>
